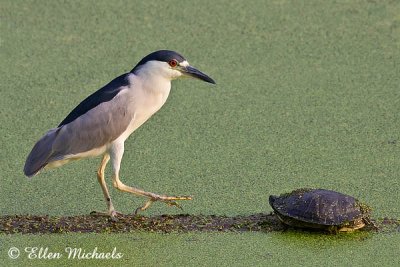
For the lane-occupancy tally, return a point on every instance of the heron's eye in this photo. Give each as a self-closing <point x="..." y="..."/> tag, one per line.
<point x="173" y="63"/>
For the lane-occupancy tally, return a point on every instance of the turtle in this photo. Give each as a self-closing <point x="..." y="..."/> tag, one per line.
<point x="321" y="209"/>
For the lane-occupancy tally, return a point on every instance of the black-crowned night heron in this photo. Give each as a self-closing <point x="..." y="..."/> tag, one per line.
<point x="102" y="122"/>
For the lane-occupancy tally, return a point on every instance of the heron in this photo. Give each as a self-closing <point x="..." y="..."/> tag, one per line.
<point x="101" y="123"/>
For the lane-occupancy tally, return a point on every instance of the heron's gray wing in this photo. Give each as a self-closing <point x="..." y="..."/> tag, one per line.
<point x="96" y="121"/>
<point x="94" y="129"/>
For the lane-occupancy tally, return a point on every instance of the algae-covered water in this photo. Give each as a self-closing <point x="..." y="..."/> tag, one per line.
<point x="307" y="95"/>
<point x="212" y="249"/>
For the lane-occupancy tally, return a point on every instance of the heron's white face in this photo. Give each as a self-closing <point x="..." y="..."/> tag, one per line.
<point x="168" y="70"/>
<point x="171" y="70"/>
<point x="175" y="68"/>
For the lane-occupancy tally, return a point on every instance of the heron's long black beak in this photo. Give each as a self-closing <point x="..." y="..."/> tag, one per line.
<point x="195" y="73"/>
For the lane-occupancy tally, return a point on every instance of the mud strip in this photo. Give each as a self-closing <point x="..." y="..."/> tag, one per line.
<point x="32" y="224"/>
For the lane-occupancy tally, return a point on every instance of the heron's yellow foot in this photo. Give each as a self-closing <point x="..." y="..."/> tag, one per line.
<point x="170" y="201"/>
<point x="113" y="214"/>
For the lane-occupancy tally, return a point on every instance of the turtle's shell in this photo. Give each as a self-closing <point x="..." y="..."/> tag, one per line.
<point x="319" y="208"/>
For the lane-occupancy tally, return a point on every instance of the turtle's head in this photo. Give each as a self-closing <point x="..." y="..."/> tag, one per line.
<point x="364" y="208"/>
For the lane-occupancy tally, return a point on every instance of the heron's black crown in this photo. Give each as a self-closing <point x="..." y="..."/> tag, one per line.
<point x="160" y="55"/>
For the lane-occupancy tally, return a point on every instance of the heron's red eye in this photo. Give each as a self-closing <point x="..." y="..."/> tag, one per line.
<point x="173" y="63"/>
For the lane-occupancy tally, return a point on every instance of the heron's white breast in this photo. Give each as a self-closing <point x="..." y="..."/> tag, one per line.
<point x="147" y="99"/>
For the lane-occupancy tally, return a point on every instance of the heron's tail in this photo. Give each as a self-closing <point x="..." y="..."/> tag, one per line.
<point x="40" y="153"/>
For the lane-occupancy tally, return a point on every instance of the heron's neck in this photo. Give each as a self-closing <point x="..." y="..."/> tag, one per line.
<point x="153" y="81"/>
<point x="152" y="84"/>
<point x="157" y="85"/>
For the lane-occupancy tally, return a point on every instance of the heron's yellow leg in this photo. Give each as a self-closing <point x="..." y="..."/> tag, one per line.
<point x="116" y="153"/>
<point x="100" y="177"/>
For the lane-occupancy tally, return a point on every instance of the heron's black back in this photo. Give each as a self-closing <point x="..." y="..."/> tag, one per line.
<point x="104" y="94"/>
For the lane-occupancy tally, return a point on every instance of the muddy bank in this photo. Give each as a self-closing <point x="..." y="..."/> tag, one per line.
<point x="33" y="224"/>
